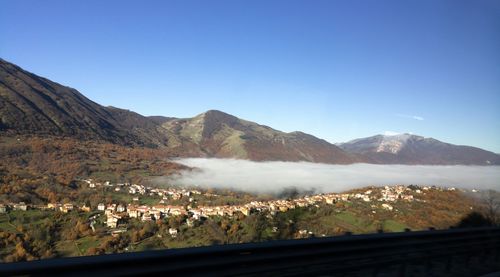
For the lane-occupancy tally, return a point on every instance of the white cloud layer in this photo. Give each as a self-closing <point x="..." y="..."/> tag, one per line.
<point x="273" y="177"/>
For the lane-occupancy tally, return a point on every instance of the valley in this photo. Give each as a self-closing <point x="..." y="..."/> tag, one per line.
<point x="78" y="178"/>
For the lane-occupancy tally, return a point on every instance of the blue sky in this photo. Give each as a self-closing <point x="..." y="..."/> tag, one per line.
<point x="336" y="69"/>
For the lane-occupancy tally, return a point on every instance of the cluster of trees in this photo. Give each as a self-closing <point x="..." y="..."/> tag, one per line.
<point x="38" y="232"/>
<point x="40" y="170"/>
<point x="490" y="206"/>
<point x="67" y="158"/>
<point x="29" y="243"/>
<point x="487" y="211"/>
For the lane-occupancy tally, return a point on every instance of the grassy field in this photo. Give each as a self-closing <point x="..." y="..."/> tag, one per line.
<point x="67" y="249"/>
<point x="33" y="217"/>
<point x="85" y="243"/>
<point x="393" y="226"/>
<point x="5" y="225"/>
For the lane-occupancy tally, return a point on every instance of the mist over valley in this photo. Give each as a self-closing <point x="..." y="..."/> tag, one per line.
<point x="276" y="176"/>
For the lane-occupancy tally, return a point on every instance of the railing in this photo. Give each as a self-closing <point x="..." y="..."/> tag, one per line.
<point x="317" y="256"/>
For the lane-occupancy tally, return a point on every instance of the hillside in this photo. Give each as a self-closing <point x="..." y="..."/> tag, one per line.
<point x="23" y="234"/>
<point x="225" y="136"/>
<point x="32" y="105"/>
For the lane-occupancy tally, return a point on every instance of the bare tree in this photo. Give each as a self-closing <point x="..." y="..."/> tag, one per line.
<point x="491" y="205"/>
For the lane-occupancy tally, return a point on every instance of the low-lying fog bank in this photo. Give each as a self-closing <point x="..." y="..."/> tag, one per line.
<point x="274" y="177"/>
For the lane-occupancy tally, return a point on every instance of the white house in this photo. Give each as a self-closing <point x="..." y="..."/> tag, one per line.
<point x="387" y="207"/>
<point x="120" y="208"/>
<point x="20" y="207"/>
<point x="112" y="221"/>
<point x="173" y="232"/>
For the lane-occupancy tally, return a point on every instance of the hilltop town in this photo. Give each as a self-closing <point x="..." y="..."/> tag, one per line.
<point x="116" y="215"/>
<point x="127" y="216"/>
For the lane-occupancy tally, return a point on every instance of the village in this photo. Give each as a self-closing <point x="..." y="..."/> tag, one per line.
<point x="116" y="215"/>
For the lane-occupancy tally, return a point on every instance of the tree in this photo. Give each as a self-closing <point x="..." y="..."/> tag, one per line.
<point x="491" y="205"/>
<point x="474" y="219"/>
<point x="95" y="251"/>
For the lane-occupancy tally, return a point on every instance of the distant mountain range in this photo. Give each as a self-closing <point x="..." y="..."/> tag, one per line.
<point x="413" y="149"/>
<point x="35" y="106"/>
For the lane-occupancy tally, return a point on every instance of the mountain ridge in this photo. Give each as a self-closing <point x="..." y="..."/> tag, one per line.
<point x="415" y="149"/>
<point x="35" y="106"/>
<point x="223" y="135"/>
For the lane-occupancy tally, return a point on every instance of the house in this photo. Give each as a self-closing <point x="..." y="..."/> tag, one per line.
<point x="143" y="209"/>
<point x="112" y="221"/>
<point x="109" y="211"/>
<point x="111" y="207"/>
<point x="175" y="210"/>
<point x="330" y="200"/>
<point x="132" y="212"/>
<point x="283" y="209"/>
<point x="101" y="207"/>
<point x="387" y="207"/>
<point x="155" y="214"/>
<point x="304" y="233"/>
<point x="21" y="206"/>
<point x="146" y="217"/>
<point x="85" y="208"/>
<point x="245" y="211"/>
<point x="117" y="232"/>
<point x="173" y="232"/>
<point x="54" y="206"/>
<point x="161" y="208"/>
<point x="66" y="208"/>
<point x="120" y="208"/>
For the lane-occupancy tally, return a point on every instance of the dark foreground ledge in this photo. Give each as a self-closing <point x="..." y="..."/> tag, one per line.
<point x="423" y="252"/>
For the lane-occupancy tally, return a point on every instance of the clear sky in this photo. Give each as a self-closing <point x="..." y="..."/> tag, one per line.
<point x="336" y="69"/>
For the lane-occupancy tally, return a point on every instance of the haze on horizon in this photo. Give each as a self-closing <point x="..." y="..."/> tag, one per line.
<point x="338" y="70"/>
<point x="274" y="177"/>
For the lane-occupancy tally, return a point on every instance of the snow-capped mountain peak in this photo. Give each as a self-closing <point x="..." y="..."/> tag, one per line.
<point x="392" y="143"/>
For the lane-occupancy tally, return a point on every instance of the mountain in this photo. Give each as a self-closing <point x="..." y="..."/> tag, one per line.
<point x="413" y="149"/>
<point x="219" y="134"/>
<point x="33" y="105"/>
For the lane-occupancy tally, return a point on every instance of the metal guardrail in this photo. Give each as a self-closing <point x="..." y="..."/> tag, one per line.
<point x="317" y="256"/>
